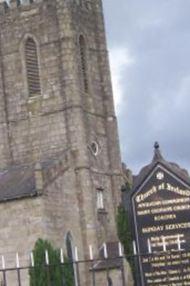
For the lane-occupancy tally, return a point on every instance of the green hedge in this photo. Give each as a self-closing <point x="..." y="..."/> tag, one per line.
<point x="54" y="274"/>
<point x="124" y="231"/>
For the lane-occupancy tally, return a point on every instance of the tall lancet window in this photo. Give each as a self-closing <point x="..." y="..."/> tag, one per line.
<point x="70" y="255"/>
<point x="32" y="67"/>
<point x="18" y="2"/>
<point x="83" y="62"/>
<point x="100" y="198"/>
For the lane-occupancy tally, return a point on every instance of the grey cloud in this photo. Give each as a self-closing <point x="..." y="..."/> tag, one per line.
<point x="156" y="87"/>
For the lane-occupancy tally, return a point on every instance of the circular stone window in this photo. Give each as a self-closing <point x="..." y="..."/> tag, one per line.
<point x="95" y="148"/>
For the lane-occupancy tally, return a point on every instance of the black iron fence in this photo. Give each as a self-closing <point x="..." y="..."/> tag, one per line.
<point x="96" y="272"/>
<point x="166" y="268"/>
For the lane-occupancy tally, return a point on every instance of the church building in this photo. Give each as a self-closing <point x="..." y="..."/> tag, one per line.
<point x="60" y="165"/>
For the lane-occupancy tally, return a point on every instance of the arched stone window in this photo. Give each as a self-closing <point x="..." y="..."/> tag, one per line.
<point x="83" y="63"/>
<point x="18" y="2"/>
<point x="32" y="67"/>
<point x="69" y="246"/>
<point x="109" y="280"/>
<point x="70" y="255"/>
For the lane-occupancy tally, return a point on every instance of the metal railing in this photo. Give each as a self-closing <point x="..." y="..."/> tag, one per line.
<point x="20" y="276"/>
<point x="161" y="268"/>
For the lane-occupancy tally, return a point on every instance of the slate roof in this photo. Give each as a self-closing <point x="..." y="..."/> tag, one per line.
<point x="17" y="182"/>
<point x="158" y="159"/>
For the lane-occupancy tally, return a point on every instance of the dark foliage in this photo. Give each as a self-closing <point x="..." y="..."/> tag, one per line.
<point x="53" y="274"/>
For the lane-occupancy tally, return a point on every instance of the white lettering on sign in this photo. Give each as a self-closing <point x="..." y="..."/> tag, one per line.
<point x="163" y="186"/>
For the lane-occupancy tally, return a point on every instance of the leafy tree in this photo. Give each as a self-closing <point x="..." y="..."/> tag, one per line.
<point x="53" y="274"/>
<point x="124" y="231"/>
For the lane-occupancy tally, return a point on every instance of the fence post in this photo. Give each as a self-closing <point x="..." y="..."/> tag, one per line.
<point x="4" y="278"/>
<point x="18" y="269"/>
<point x="32" y="266"/>
<point x="106" y="257"/>
<point x="134" y="258"/>
<point x="4" y="271"/>
<point x="47" y="267"/>
<point x="122" y="263"/>
<point x="76" y="262"/>
<point x="62" y="266"/>
<point x="92" y="265"/>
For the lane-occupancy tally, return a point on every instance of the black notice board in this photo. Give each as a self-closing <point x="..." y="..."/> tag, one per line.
<point x="161" y="224"/>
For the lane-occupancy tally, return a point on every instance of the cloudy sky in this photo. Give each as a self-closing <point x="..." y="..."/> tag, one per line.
<point x="149" y="45"/>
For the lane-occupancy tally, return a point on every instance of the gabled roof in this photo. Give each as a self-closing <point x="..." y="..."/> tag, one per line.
<point x="159" y="160"/>
<point x="17" y="182"/>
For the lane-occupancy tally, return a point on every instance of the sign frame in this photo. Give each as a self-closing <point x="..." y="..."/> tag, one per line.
<point x="130" y="205"/>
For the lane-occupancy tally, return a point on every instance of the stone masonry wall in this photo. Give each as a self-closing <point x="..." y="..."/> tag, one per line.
<point x="64" y="118"/>
<point x="99" y="121"/>
<point x="37" y="125"/>
<point x="20" y="227"/>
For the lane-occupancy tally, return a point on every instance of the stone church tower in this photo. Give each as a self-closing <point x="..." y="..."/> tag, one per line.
<point x="59" y="151"/>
